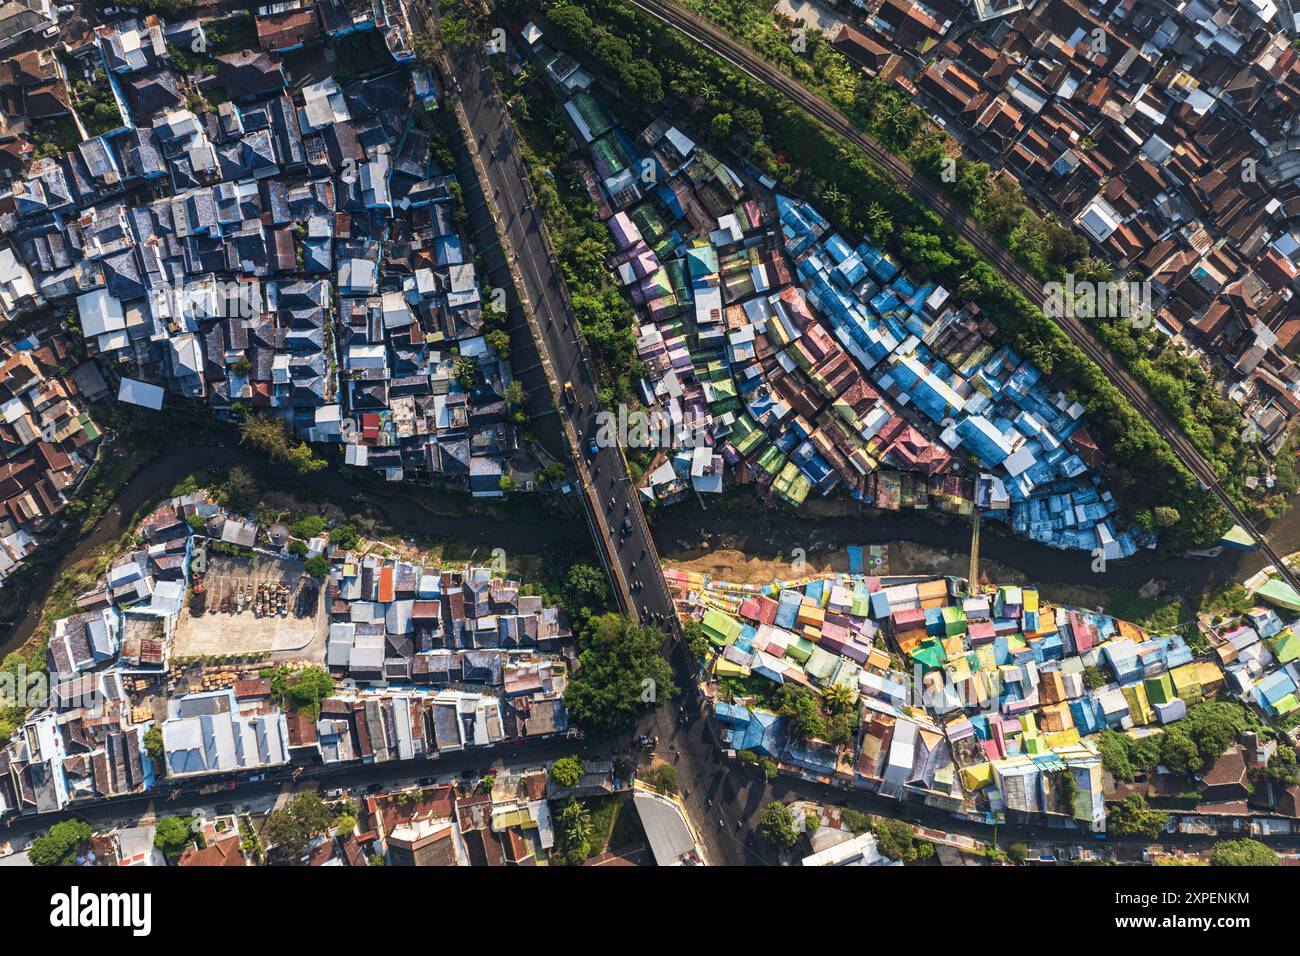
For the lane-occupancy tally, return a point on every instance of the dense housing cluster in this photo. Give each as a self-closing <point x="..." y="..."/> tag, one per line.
<point x="179" y="635"/>
<point x="229" y="225"/>
<point x="975" y="701"/>
<point x="807" y="363"/>
<point x="47" y="436"/>
<point x="1164" y="132"/>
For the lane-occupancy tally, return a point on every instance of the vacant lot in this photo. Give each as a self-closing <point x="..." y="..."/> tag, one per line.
<point x="298" y="634"/>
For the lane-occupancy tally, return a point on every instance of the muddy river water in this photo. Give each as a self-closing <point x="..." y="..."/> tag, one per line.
<point x="680" y="532"/>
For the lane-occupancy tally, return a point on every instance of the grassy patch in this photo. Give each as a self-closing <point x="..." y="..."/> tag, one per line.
<point x="360" y="53"/>
<point x="602" y="810"/>
<point x="231" y="35"/>
<point x="760" y="688"/>
<point x="1155" y="614"/>
<point x="627" y="831"/>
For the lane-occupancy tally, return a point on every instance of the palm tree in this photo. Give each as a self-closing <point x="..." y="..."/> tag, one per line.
<point x="839" y="698"/>
<point x="876" y="214"/>
<point x="575" y="823"/>
<point x="896" y="122"/>
<point x="832" y="196"/>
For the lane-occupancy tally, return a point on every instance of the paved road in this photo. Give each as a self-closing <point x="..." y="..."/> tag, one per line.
<point x="633" y="553"/>
<point x="188" y="796"/>
<point x="719" y="42"/>
<point x="635" y="565"/>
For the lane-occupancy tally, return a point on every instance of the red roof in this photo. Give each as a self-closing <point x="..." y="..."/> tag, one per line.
<point x="224" y="853"/>
<point x="248" y="689"/>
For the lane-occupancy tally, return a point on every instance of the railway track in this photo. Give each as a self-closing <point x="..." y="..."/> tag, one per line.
<point x="717" y="41"/>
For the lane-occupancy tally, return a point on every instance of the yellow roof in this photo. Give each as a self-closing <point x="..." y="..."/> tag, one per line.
<point x="811" y="614"/>
<point x="1063" y="739"/>
<point x="725" y="668"/>
<point x="977" y="777"/>
<point x="878" y="659"/>
<point x="1139" y="705"/>
<point x="958" y="670"/>
<point x="927" y="590"/>
<point x="1211" y="677"/>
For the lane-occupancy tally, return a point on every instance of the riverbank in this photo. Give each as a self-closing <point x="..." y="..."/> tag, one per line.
<point x="688" y="530"/>
<point x="738" y="540"/>
<point x="460" y="529"/>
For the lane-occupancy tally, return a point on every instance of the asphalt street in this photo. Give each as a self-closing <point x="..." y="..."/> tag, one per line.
<point x="169" y="800"/>
<point x="606" y="473"/>
<point x="627" y="536"/>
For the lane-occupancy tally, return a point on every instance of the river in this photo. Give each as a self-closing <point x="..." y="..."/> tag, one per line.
<point x="677" y="531"/>
<point x="401" y="514"/>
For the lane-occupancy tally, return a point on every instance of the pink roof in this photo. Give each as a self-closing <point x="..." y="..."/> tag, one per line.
<point x="908" y="618"/>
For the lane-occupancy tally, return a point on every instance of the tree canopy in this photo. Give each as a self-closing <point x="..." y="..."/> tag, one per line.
<point x="778" y="825"/>
<point x="61" y="845"/>
<point x="621" y="675"/>
<point x="272" y="437"/>
<point x="1244" y="852"/>
<point x="897" y="840"/>
<point x="575" y="831"/>
<point x="292" y="826"/>
<point x="567" y="771"/>
<point x="170" y="835"/>
<point x="1132" y="817"/>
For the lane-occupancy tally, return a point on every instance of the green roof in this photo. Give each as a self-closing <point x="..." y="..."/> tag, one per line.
<point x="929" y="653"/>
<point x="954" y="621"/>
<point x="611" y="152"/>
<point x="1239" y="536"/>
<point x="592" y="113"/>
<point x="701" y="260"/>
<point x="720" y="628"/>
<point x="1286" y="647"/>
<point x="1160" y="690"/>
<point x="1277" y="592"/>
<point x="800" y="649"/>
